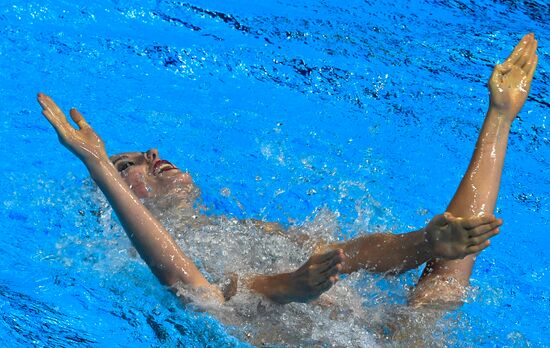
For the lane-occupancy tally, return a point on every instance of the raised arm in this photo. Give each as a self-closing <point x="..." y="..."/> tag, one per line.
<point x="509" y="87"/>
<point x="154" y="244"/>
<point x="445" y="237"/>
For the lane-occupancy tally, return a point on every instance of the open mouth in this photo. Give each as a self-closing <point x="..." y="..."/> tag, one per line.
<point x="162" y="166"/>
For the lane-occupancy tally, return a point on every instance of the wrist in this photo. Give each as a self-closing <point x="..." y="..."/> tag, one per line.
<point x="434" y="245"/>
<point x="99" y="166"/>
<point x="426" y="246"/>
<point x="505" y="115"/>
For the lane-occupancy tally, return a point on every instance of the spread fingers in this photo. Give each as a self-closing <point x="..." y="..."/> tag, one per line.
<point x="484" y="228"/>
<point x="53" y="114"/>
<point x="483" y="237"/>
<point x="327" y="284"/>
<point x="335" y="269"/>
<point x="474" y="222"/>
<point x="328" y="256"/>
<point x="477" y="248"/>
<point x="79" y="119"/>
<point x="325" y="267"/>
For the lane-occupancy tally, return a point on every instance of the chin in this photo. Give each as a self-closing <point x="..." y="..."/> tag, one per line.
<point x="141" y="192"/>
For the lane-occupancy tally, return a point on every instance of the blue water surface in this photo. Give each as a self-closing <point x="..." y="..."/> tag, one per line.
<point x="279" y="109"/>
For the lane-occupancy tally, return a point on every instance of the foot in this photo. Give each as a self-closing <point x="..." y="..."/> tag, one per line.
<point x="305" y="284"/>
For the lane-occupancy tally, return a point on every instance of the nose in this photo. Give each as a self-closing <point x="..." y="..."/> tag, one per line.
<point x="151" y="155"/>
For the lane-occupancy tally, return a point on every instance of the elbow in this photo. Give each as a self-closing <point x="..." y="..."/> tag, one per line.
<point x="203" y="297"/>
<point x="201" y="294"/>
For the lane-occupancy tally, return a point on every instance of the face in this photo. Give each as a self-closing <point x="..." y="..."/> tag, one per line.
<point x="150" y="176"/>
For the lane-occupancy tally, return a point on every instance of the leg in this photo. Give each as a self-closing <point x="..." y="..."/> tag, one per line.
<point x="443" y="281"/>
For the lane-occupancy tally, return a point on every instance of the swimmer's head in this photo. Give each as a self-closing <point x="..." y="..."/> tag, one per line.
<point x="150" y="176"/>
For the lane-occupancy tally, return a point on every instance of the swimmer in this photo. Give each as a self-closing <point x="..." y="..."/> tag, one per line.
<point x="449" y="242"/>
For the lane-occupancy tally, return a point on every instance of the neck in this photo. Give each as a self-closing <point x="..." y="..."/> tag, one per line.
<point x="179" y="206"/>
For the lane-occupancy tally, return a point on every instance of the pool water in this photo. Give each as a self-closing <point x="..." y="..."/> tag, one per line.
<point x="343" y="117"/>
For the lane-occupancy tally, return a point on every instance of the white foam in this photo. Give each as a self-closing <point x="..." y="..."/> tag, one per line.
<point x="224" y="246"/>
<point x="356" y="312"/>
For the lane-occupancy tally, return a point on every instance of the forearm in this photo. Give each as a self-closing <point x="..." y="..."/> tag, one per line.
<point x="478" y="190"/>
<point x="152" y="241"/>
<point x="154" y="244"/>
<point x="443" y="281"/>
<point x="385" y="252"/>
<point x="482" y="180"/>
<point x="271" y="286"/>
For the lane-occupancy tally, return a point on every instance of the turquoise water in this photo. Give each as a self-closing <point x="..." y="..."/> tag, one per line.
<point x="282" y="111"/>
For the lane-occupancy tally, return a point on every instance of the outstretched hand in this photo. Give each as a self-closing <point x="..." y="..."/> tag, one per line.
<point x="450" y="237"/>
<point x="83" y="142"/>
<point x="510" y="82"/>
